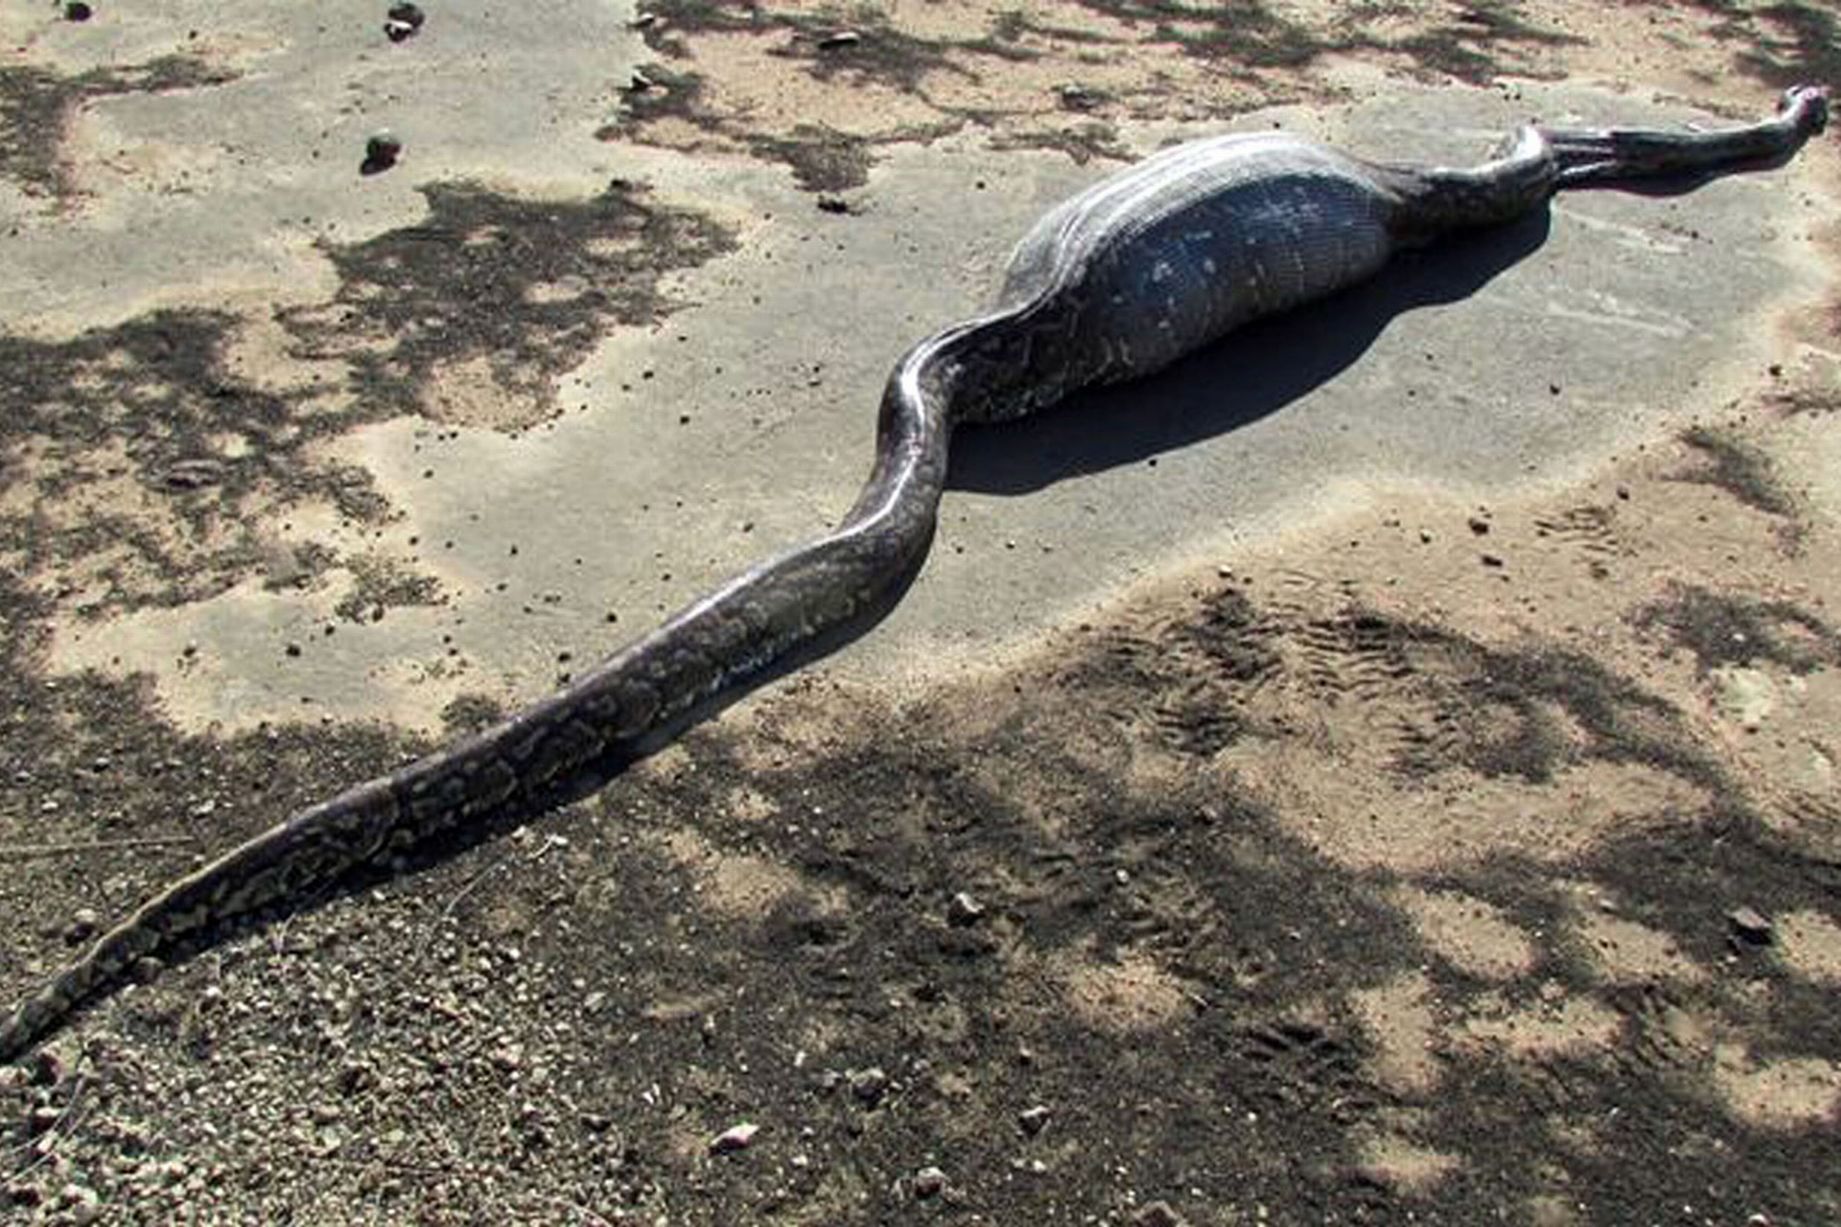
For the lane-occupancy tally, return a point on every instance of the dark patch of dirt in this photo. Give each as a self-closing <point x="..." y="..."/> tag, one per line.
<point x="823" y="159"/>
<point x="379" y="583"/>
<point x="1734" y="629"/>
<point x="1742" y="470"/>
<point x="1781" y="44"/>
<point x="150" y="403"/>
<point x="557" y="1025"/>
<point x="526" y="286"/>
<point x="1082" y="143"/>
<point x="1472" y="46"/>
<point x="36" y="105"/>
<point x="659" y="93"/>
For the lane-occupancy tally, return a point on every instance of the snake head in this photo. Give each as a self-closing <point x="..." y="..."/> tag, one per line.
<point x="1806" y="106"/>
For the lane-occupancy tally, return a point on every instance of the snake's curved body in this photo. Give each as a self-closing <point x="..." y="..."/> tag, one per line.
<point x="1117" y="282"/>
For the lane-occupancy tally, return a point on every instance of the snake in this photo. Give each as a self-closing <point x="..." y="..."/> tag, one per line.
<point x="1120" y="280"/>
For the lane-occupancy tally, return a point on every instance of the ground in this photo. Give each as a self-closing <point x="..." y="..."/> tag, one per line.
<point x="1437" y="843"/>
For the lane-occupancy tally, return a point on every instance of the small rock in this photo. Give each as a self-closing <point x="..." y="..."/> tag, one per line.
<point x="76" y="10"/>
<point x="833" y="204"/>
<point x="1479" y="525"/>
<point x="193" y="474"/>
<point x="1492" y="560"/>
<point x="838" y="39"/>
<point x="1157" y="1214"/>
<point x="737" y="1137"/>
<point x="404" y="20"/>
<point x="964" y="910"/>
<point x="83" y="925"/>
<point x="1079" y="97"/>
<point x="1750" y="926"/>
<point x="47" y="1067"/>
<point x="929" y="1182"/>
<point x="380" y="153"/>
<point x="869" y="1085"/>
<point x="1033" y="1120"/>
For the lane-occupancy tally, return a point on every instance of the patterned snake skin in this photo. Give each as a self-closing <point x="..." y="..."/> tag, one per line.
<point x="1117" y="282"/>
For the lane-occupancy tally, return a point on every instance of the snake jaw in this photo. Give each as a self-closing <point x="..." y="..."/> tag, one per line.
<point x="1807" y="106"/>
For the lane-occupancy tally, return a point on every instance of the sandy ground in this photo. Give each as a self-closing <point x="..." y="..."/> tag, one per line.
<point x="1256" y="813"/>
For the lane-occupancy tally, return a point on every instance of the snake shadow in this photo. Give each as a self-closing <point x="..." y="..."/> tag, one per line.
<point x="1248" y="375"/>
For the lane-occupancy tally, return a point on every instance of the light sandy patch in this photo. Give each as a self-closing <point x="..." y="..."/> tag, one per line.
<point x="258" y="351"/>
<point x="1552" y="1210"/>
<point x="470" y="393"/>
<point x="1625" y="951"/>
<point x="1399" y="1016"/>
<point x="737" y="885"/>
<point x="1404" y="1165"/>
<point x="1786" y="1093"/>
<point x="742" y="76"/>
<point x="1363" y="820"/>
<point x="1473" y="936"/>
<point x="1558" y="1025"/>
<point x="752" y="805"/>
<point x="1809" y="944"/>
<point x="1683" y="49"/>
<point x="1132" y="994"/>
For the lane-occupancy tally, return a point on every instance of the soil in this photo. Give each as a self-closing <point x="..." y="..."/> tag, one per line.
<point x="1431" y="861"/>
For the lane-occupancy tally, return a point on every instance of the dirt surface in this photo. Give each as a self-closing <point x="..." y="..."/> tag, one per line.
<point x="1445" y="856"/>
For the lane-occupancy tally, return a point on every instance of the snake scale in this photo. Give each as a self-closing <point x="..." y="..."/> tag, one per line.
<point x="1114" y="283"/>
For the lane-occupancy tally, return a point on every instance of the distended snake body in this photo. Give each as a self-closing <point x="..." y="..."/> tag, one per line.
<point x="1116" y="282"/>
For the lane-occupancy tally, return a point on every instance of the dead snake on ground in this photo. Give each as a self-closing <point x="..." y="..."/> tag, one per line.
<point x="1117" y="282"/>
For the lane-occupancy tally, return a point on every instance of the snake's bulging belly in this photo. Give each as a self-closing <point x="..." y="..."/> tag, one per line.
<point x="1169" y="255"/>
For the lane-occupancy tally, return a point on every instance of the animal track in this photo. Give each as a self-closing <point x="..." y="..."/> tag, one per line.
<point x="1301" y="1065"/>
<point x="1588" y="527"/>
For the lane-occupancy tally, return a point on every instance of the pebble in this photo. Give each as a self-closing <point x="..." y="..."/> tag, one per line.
<point x="193" y="474"/>
<point x="929" y="1182"/>
<point x="869" y="1085"/>
<point x="404" y="20"/>
<point x="83" y="924"/>
<point x="964" y="910"/>
<point x="737" y="1137"/>
<point x="1033" y="1120"/>
<point x="1749" y="925"/>
<point x="380" y="152"/>
<point x="839" y="38"/>
<point x="1157" y="1214"/>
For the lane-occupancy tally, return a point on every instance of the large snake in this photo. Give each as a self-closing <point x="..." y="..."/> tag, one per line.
<point x="1117" y="282"/>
